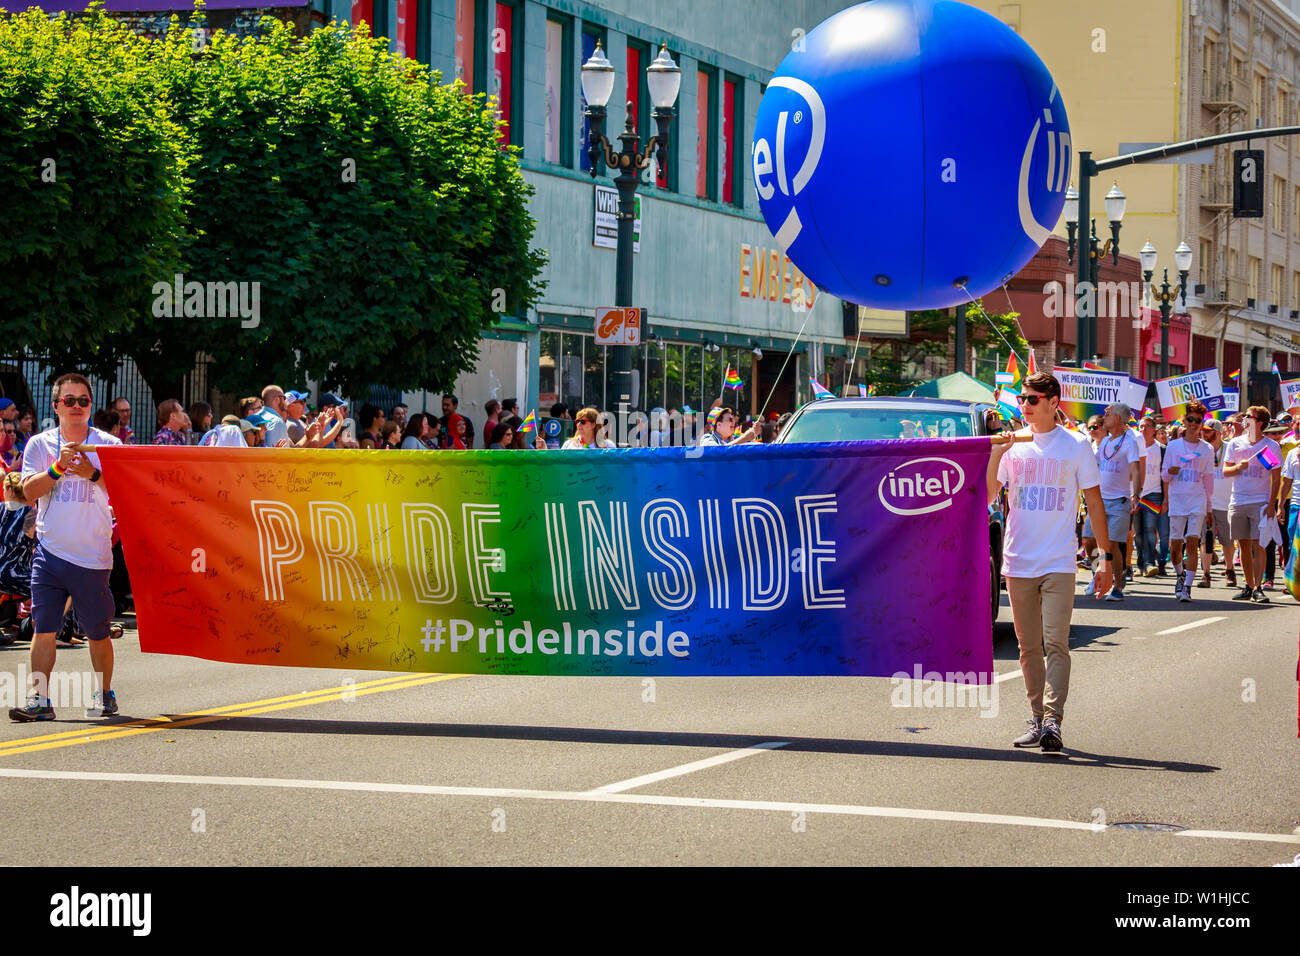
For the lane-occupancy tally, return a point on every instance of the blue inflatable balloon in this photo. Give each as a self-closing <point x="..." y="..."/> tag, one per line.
<point x="908" y="149"/>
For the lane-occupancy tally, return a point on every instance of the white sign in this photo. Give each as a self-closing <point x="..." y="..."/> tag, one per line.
<point x="1231" y="400"/>
<point x="1087" y="387"/>
<point x="605" y="220"/>
<point x="1291" y="393"/>
<point x="619" y="326"/>
<point x="1203" y="386"/>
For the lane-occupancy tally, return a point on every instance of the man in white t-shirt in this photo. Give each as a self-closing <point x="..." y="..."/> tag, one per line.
<point x="1043" y="478"/>
<point x="1152" y="538"/>
<point x="74" y="551"/>
<point x="1216" y="434"/>
<point x="1120" y="462"/>
<point x="1254" y="462"/>
<point x="1188" y="477"/>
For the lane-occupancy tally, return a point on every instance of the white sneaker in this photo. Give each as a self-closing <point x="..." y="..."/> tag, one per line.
<point x="1185" y="595"/>
<point x="1091" y="589"/>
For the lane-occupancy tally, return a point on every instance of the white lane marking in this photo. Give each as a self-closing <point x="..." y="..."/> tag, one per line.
<point x="1009" y="675"/>
<point x="643" y="799"/>
<point x="686" y="768"/>
<point x="1188" y="627"/>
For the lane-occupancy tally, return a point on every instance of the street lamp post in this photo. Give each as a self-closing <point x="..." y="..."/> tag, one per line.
<point x="1166" y="295"/>
<point x="1089" y="265"/>
<point x="663" y="78"/>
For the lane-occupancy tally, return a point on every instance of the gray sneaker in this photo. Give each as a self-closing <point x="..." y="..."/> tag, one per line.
<point x="1050" y="740"/>
<point x="1030" y="737"/>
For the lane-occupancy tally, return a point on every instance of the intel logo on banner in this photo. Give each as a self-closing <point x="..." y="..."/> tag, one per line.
<point x="921" y="486"/>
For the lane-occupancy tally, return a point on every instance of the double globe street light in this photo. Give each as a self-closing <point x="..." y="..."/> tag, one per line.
<point x="663" y="79"/>
<point x="1166" y="295"/>
<point x="1089" y="265"/>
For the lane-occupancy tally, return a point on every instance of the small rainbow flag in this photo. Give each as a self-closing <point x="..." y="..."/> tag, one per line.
<point x="733" y="379"/>
<point x="871" y="389"/>
<point x="1150" y="506"/>
<point x="1033" y="366"/>
<point x="1011" y="376"/>
<point x="1269" y="460"/>
<point x="1235" y="375"/>
<point x="529" y="423"/>
<point x="820" y="391"/>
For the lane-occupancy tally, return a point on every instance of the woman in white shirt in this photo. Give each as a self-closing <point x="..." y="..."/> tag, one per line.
<point x="588" y="432"/>
<point x="417" y="429"/>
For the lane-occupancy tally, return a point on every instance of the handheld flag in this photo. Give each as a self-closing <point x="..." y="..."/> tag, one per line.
<point x="1276" y="370"/>
<point x="529" y="423"/>
<point x="1235" y="375"/>
<point x="820" y="391"/>
<point x="1011" y="376"/>
<point x="871" y="389"/>
<point x="1268" y="459"/>
<point x="862" y="391"/>
<point x="1033" y="366"/>
<point x="1150" y="506"/>
<point x="1006" y="399"/>
<point x="733" y="379"/>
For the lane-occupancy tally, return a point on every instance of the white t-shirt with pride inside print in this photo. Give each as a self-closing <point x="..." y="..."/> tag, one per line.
<point x="73" y="520"/>
<point x="1043" y="479"/>
<point x="1191" y="489"/>
<point x="1252" y="486"/>
<point x="1114" y="456"/>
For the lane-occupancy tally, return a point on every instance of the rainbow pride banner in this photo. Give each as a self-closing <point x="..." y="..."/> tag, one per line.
<point x="756" y="560"/>
<point x="1177" y="391"/>
<point x="1089" y="391"/>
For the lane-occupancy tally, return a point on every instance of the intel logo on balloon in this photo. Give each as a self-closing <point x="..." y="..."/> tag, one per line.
<point x="921" y="486"/>
<point x="914" y="154"/>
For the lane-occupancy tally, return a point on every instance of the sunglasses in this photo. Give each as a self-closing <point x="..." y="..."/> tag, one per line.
<point x="1030" y="399"/>
<point x="70" y="401"/>
<point x="1194" y="421"/>
<point x="1093" y="428"/>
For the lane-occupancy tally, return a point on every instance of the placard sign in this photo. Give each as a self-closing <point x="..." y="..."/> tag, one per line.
<point x="1175" y="393"/>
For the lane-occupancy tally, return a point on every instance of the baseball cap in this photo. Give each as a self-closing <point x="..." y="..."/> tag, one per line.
<point x="260" y="417"/>
<point x="329" y="398"/>
<point x="246" y="426"/>
<point x="291" y="397"/>
<point x="6" y="403"/>
<point x="230" y="420"/>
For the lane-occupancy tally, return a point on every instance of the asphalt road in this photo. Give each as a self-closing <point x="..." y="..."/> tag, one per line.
<point x="1195" y="728"/>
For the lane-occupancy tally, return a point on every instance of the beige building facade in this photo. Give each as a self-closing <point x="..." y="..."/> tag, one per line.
<point x="1161" y="71"/>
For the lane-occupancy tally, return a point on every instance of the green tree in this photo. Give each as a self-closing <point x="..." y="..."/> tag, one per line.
<point x="929" y="337"/>
<point x="385" y="224"/>
<point x="370" y="212"/>
<point x="91" y="203"/>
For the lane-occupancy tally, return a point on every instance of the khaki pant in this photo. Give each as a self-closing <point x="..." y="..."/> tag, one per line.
<point x="1041" y="608"/>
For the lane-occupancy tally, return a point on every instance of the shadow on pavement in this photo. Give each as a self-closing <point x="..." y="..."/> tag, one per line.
<point x="664" y="738"/>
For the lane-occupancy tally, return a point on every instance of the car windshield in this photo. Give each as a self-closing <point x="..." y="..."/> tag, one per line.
<point x="850" y="423"/>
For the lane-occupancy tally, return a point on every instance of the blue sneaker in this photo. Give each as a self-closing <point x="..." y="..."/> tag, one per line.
<point x="102" y="705"/>
<point x="37" y="708"/>
<point x="1116" y="595"/>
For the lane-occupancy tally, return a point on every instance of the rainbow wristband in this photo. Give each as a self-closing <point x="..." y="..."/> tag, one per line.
<point x="53" y="471"/>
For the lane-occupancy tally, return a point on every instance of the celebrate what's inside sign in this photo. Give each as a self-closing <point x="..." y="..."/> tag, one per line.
<point x="755" y="560"/>
<point x="1177" y="392"/>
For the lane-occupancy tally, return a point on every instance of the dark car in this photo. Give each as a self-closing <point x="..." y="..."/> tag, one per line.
<point x="882" y="418"/>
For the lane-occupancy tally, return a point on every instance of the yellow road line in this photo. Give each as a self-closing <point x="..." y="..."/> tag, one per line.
<point x="130" y="730"/>
<point x="300" y="696"/>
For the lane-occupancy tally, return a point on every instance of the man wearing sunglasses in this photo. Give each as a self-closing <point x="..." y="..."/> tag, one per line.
<point x="1188" y="477"/>
<point x="74" y="550"/>
<point x="1044" y="478"/>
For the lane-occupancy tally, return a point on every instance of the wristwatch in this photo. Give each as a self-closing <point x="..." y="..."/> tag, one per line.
<point x="94" y="477"/>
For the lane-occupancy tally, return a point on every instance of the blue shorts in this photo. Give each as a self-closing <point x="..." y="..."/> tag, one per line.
<point x="55" y="580"/>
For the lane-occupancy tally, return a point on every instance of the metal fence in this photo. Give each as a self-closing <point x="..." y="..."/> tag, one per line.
<point x="26" y="379"/>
